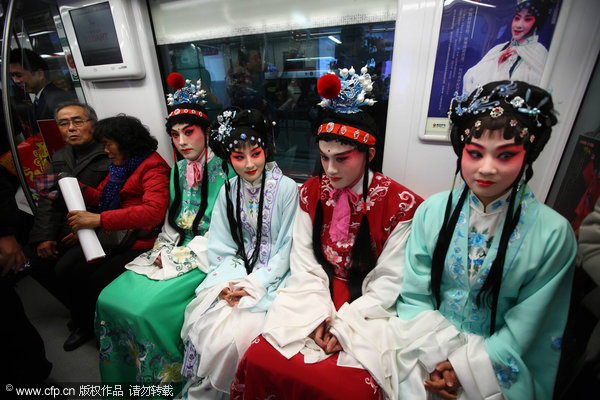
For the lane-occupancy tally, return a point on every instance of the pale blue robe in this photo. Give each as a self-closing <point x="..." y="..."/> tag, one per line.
<point x="520" y="360"/>
<point x="219" y="333"/>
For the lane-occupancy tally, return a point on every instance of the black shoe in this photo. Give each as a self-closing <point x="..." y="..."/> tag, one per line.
<point x="76" y="339"/>
<point x="71" y="325"/>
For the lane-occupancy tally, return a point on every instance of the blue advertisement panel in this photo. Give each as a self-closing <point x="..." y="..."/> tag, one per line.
<point x="489" y="40"/>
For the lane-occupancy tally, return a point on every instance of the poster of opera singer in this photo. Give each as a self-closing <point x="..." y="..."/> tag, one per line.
<point x="490" y="40"/>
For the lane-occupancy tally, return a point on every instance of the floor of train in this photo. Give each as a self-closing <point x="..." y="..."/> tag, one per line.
<point x="50" y="317"/>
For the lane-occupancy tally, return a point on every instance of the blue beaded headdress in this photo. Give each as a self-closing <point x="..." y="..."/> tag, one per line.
<point x="185" y="91"/>
<point x="352" y="92"/>
<point x="525" y="105"/>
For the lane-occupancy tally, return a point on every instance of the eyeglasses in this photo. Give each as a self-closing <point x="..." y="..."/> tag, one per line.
<point x="64" y="123"/>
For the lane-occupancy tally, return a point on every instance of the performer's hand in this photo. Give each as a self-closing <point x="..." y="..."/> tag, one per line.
<point x="69" y="240"/>
<point x="158" y="261"/>
<point x="324" y="339"/>
<point x="505" y="55"/>
<point x="226" y="294"/>
<point x="236" y="295"/>
<point x="11" y="255"/>
<point x="47" y="249"/>
<point x="443" y="381"/>
<point x="333" y="345"/>
<point x="83" y="220"/>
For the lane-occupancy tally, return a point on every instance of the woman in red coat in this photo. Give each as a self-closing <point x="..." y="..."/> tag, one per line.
<point x="133" y="200"/>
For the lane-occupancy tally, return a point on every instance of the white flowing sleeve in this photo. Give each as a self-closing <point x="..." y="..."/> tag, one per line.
<point x="305" y="301"/>
<point x="175" y="260"/>
<point x="359" y="325"/>
<point x="380" y="290"/>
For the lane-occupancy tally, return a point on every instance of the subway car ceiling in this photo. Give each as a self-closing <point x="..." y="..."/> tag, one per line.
<point x="279" y="49"/>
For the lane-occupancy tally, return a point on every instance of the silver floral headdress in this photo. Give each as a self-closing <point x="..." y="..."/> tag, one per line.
<point x="228" y="135"/>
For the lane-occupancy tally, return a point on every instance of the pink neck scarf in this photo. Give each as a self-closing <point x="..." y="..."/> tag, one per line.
<point x="340" y="220"/>
<point x="193" y="173"/>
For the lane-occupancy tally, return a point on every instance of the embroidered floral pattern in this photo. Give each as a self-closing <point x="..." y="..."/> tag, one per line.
<point x="339" y="253"/>
<point x="472" y="250"/>
<point x="506" y="374"/>
<point x="479" y="243"/>
<point x="119" y="344"/>
<point x="182" y="257"/>
<point x="270" y="194"/>
<point x="556" y="344"/>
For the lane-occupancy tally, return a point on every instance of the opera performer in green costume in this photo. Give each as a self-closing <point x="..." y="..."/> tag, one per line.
<point x="140" y="314"/>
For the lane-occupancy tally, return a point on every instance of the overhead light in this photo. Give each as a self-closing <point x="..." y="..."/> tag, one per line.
<point x="475" y="2"/>
<point x="334" y="39"/>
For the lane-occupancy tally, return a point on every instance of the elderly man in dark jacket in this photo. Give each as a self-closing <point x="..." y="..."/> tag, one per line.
<point x="82" y="158"/>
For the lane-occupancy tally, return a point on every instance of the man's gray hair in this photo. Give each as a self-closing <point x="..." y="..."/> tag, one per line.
<point x="89" y="111"/>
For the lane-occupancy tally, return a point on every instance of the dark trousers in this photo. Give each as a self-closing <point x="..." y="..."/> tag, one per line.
<point x="43" y="271"/>
<point x="84" y="281"/>
<point x="22" y="347"/>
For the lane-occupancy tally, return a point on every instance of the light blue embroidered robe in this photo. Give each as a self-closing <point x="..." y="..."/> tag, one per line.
<point x="534" y="297"/>
<point x="273" y="263"/>
<point x="216" y="333"/>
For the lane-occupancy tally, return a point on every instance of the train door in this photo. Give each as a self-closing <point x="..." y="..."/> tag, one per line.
<point x="35" y="58"/>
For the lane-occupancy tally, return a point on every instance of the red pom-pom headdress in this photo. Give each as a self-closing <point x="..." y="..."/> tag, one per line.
<point x="329" y="86"/>
<point x="185" y="93"/>
<point x="175" y="80"/>
<point x="346" y="96"/>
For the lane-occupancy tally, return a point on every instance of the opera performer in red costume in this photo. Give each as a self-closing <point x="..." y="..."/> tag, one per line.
<point x="322" y="336"/>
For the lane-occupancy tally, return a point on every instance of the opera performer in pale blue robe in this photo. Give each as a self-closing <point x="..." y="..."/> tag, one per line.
<point x="489" y="270"/>
<point x="249" y="245"/>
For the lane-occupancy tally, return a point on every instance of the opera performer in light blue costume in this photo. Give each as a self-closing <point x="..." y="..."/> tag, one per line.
<point x="139" y="315"/>
<point x="489" y="270"/>
<point x="249" y="245"/>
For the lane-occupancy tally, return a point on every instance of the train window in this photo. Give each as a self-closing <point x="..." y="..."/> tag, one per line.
<point x="277" y="73"/>
<point x="268" y="54"/>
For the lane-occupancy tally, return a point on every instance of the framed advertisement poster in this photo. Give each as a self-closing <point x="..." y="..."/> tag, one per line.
<point x="484" y="41"/>
<point x="580" y="188"/>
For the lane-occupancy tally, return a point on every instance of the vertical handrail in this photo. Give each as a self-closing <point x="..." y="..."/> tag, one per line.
<point x="6" y="108"/>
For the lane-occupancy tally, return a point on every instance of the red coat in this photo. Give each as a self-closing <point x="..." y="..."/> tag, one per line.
<point x="144" y="200"/>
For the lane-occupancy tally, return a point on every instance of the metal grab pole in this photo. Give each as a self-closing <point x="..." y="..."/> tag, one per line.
<point x="6" y="108"/>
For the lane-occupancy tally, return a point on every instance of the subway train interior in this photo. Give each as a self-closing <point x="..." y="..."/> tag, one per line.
<point x="116" y="56"/>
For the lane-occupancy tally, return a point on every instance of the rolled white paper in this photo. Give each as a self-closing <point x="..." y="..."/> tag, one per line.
<point x="92" y="249"/>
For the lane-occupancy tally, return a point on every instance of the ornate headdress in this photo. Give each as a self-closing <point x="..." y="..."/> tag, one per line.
<point x="346" y="96"/>
<point x="526" y="105"/>
<point x="540" y="9"/>
<point x="235" y="125"/>
<point x="185" y="93"/>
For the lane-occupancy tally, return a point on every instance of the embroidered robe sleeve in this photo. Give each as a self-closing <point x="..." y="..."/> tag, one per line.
<point x="176" y="260"/>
